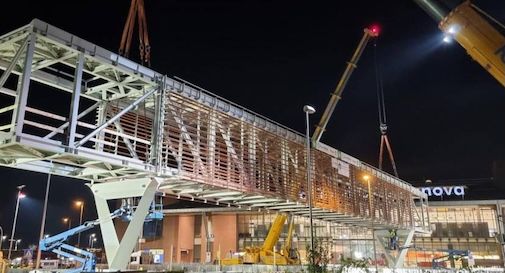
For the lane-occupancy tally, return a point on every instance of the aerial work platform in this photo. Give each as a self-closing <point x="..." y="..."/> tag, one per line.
<point x="72" y="108"/>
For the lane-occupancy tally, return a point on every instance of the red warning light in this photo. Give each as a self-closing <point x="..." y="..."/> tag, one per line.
<point x="375" y="29"/>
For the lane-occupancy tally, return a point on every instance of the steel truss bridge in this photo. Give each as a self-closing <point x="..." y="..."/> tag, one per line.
<point x="72" y="108"/>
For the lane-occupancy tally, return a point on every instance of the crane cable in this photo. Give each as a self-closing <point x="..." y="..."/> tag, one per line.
<point x="381" y="108"/>
<point x="136" y="9"/>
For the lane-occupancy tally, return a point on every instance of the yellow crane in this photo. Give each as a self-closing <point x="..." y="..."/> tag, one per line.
<point x="336" y="95"/>
<point x="469" y="26"/>
<point x="267" y="254"/>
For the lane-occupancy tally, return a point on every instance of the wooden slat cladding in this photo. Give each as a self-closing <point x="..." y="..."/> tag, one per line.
<point x="219" y="150"/>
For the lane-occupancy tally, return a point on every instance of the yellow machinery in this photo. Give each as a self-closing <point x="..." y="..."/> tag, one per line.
<point x="467" y="25"/>
<point x="266" y="254"/>
<point x="336" y="95"/>
<point x="3" y="263"/>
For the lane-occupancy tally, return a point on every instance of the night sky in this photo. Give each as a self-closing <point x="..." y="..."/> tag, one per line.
<point x="445" y="113"/>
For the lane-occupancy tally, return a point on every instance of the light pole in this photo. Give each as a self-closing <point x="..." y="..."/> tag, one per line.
<point x="2" y="238"/>
<point x="67" y="221"/>
<point x="17" y="242"/>
<point x="367" y="179"/>
<point x="79" y="204"/>
<point x="308" y="111"/>
<point x="93" y="242"/>
<point x="20" y="196"/>
<point x="43" y="221"/>
<point x="90" y="240"/>
<point x="372" y="216"/>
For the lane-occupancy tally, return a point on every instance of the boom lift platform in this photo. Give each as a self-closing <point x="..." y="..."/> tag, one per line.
<point x="86" y="259"/>
<point x="452" y="255"/>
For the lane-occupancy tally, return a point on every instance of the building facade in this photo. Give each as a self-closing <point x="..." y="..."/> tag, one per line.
<point x="205" y="235"/>
<point x="464" y="225"/>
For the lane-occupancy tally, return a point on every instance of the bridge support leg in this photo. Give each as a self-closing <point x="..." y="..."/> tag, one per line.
<point x="403" y="251"/>
<point x="394" y="258"/>
<point x="381" y="246"/>
<point x="118" y="253"/>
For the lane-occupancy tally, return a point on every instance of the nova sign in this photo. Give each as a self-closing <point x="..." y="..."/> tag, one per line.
<point x="444" y="191"/>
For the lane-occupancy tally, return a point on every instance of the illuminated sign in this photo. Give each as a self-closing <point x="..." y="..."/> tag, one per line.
<point x="444" y="191"/>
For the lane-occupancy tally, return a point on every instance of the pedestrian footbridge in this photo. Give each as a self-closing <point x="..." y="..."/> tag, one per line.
<point x="72" y="108"/>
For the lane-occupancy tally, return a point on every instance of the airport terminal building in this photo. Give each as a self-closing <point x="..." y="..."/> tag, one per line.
<point x="462" y="220"/>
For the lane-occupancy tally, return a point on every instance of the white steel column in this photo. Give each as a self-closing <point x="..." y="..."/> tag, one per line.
<point x="118" y="253"/>
<point x="23" y="87"/>
<point x="403" y="251"/>
<point x="74" y="105"/>
<point x="155" y="153"/>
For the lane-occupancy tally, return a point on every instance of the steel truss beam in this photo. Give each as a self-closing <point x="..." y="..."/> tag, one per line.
<point x="147" y="124"/>
<point x="116" y="117"/>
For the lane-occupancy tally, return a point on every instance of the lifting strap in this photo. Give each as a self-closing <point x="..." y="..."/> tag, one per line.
<point x="136" y="9"/>
<point x="381" y="108"/>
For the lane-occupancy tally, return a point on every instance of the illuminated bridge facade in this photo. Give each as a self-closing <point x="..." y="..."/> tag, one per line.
<point x="72" y="108"/>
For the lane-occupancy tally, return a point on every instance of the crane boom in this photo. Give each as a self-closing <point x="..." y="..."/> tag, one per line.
<point x="274" y="233"/>
<point x="471" y="30"/>
<point x="337" y="93"/>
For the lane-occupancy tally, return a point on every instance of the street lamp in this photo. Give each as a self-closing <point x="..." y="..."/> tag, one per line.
<point x="93" y="242"/>
<point x="81" y="205"/>
<point x="20" y="196"/>
<point x="17" y="242"/>
<point x="4" y="237"/>
<point x="91" y="238"/>
<point x="43" y="220"/>
<point x="372" y="216"/>
<point x="367" y="179"/>
<point x="67" y="221"/>
<point x="308" y="111"/>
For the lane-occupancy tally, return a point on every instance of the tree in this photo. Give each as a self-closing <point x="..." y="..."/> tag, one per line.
<point x="318" y="258"/>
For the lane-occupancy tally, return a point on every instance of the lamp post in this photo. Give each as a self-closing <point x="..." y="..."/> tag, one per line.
<point x="308" y="111"/>
<point x="372" y="216"/>
<point x="367" y="179"/>
<point x="20" y="196"/>
<point x="2" y="238"/>
<point x="43" y="221"/>
<point x="93" y="242"/>
<point x="67" y="221"/>
<point x="81" y="205"/>
<point x="90" y="240"/>
<point x="17" y="242"/>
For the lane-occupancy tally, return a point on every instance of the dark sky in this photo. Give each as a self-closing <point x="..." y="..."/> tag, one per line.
<point x="445" y="113"/>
